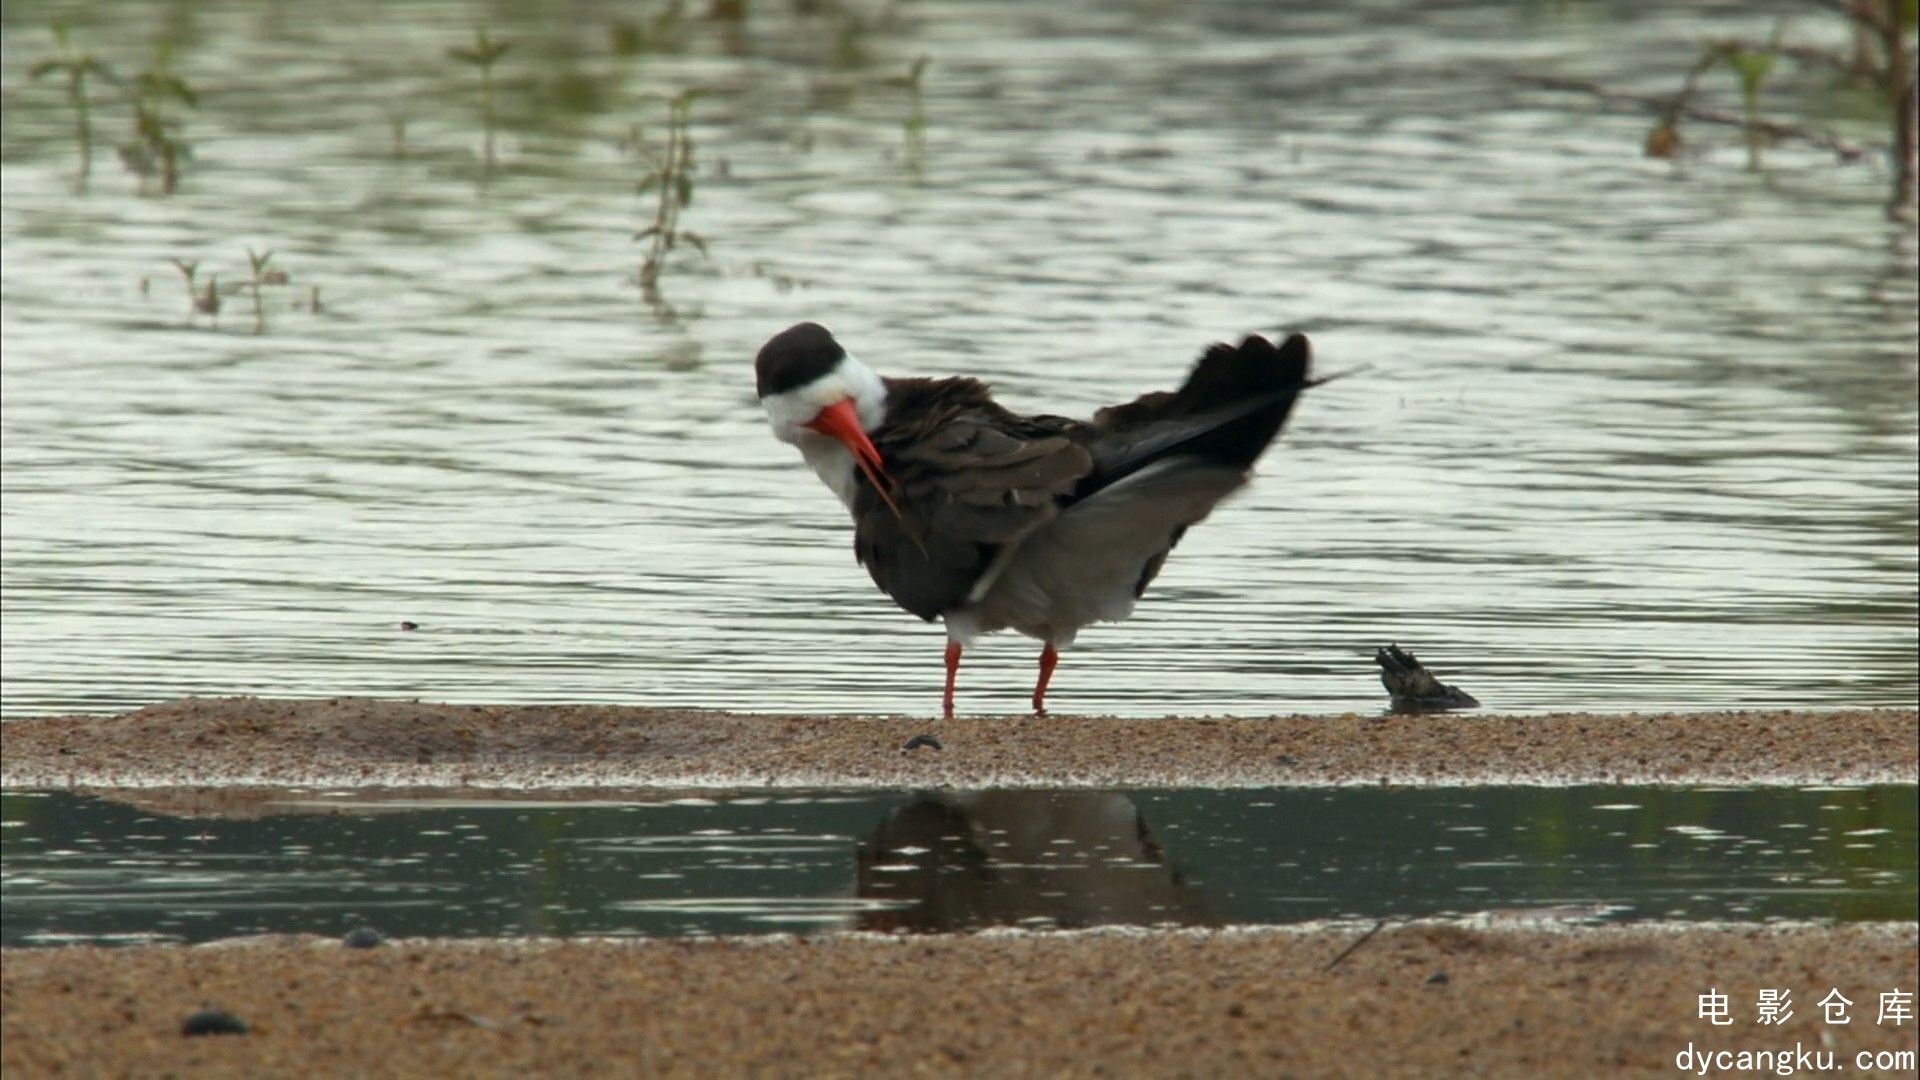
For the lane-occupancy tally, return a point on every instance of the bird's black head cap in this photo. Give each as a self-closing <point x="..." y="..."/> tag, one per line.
<point x="795" y="357"/>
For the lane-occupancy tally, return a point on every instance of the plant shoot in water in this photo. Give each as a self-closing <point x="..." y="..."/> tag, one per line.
<point x="665" y="31"/>
<point x="483" y="55"/>
<point x="188" y="268"/>
<point x="157" y="145"/>
<point x="1889" y="66"/>
<point x="76" y="66"/>
<point x="204" y="294"/>
<point x="670" y="178"/>
<point x="1751" y="67"/>
<point x="262" y="275"/>
<point x="915" y="124"/>
<point x="201" y="299"/>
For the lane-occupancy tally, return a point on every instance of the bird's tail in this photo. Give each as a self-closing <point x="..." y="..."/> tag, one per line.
<point x="1227" y="412"/>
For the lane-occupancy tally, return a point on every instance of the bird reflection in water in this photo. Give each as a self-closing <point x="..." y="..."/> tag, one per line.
<point x="970" y="860"/>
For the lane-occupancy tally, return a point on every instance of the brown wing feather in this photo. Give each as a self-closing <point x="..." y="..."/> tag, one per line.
<point x="970" y="476"/>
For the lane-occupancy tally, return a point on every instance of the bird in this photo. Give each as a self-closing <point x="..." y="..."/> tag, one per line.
<point x="968" y="513"/>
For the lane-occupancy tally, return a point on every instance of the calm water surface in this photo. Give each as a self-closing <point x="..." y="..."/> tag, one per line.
<point x="1634" y="434"/>
<point x="80" y="868"/>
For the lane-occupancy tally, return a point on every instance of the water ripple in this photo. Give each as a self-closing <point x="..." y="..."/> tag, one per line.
<point x="1635" y="435"/>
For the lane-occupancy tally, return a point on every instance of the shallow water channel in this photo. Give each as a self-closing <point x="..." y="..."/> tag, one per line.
<point x="1635" y="434"/>
<point x="81" y="868"/>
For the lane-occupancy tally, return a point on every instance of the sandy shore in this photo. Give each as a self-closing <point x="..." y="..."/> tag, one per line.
<point x="372" y="743"/>
<point x="1499" y="999"/>
<point x="1419" y="1000"/>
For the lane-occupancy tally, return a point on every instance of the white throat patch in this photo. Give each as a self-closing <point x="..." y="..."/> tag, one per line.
<point x="789" y="412"/>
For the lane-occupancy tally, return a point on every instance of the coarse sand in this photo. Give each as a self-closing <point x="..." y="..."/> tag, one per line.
<point x="1497" y="997"/>
<point x="374" y="743"/>
<point x="1415" y="1000"/>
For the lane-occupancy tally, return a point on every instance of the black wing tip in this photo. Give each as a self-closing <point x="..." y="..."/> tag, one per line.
<point x="1228" y="373"/>
<point x="1296" y="353"/>
<point x="1293" y="354"/>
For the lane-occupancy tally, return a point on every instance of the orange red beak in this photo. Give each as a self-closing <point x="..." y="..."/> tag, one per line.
<point x="842" y="422"/>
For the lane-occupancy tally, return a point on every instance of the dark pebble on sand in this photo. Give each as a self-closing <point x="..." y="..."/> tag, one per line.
<point x="213" y="1022"/>
<point x="1437" y="978"/>
<point x="919" y="741"/>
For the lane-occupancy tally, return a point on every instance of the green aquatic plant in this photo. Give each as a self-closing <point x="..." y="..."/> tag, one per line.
<point x="483" y="55"/>
<point x="205" y="296"/>
<point x="850" y="34"/>
<point x="157" y="146"/>
<point x="664" y="31"/>
<point x="201" y="299"/>
<point x="914" y="126"/>
<point x="1880" y="55"/>
<point x="1751" y="67"/>
<point x="76" y="67"/>
<point x="262" y="274"/>
<point x="189" y="269"/>
<point x="1890" y="25"/>
<point x="1750" y="64"/>
<point x="669" y="178"/>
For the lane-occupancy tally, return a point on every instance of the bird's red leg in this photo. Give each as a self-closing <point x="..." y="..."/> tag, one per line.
<point x="953" y="670"/>
<point x="1049" y="659"/>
